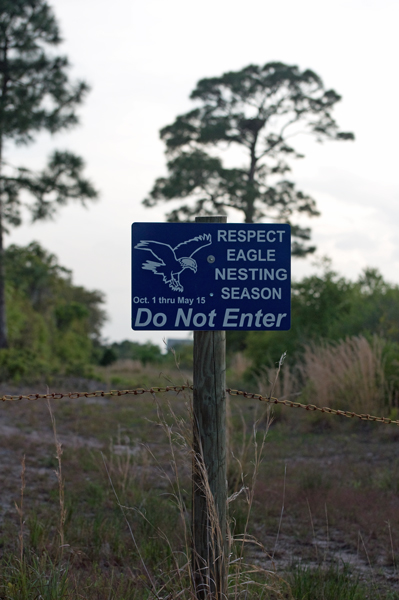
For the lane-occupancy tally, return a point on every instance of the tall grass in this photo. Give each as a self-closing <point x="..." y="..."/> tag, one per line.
<point x="349" y="374"/>
<point x="326" y="583"/>
<point x="177" y="578"/>
<point x="345" y="375"/>
<point x="31" y="575"/>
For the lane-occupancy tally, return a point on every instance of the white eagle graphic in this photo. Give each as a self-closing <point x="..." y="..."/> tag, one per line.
<point x="171" y="262"/>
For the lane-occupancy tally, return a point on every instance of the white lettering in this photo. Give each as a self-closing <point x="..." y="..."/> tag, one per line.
<point x="247" y="235"/>
<point x="138" y="317"/>
<point x="159" y="320"/>
<point x="243" y="317"/>
<point x="265" y="293"/>
<point x="268" y="320"/>
<point x="231" y="274"/>
<point x="251" y="255"/>
<point x="182" y="300"/>
<point x="230" y="253"/>
<point x="212" y="316"/>
<point x="182" y="316"/>
<point x="199" y="320"/>
<point x="281" y="274"/>
<point x="237" y="293"/>
<point x="138" y="300"/>
<point x="280" y="318"/>
<point x="228" y="316"/>
<point x="254" y="273"/>
<point x="261" y="235"/>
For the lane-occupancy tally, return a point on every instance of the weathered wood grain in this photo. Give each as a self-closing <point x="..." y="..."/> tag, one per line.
<point x="209" y="462"/>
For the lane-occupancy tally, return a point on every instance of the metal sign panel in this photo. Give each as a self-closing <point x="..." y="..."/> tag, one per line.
<point x="204" y="276"/>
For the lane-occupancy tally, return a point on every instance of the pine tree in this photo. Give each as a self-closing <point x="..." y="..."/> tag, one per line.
<point x="35" y="95"/>
<point x="256" y="110"/>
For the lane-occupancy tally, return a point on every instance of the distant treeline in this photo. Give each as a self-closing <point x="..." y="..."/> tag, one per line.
<point x="54" y="326"/>
<point x="328" y="308"/>
<point x="148" y="353"/>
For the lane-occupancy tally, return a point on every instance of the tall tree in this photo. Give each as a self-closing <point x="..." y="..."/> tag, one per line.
<point x="35" y="95"/>
<point x="257" y="109"/>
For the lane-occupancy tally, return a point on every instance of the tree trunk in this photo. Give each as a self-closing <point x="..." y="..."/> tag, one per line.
<point x="250" y="195"/>
<point x="3" y="322"/>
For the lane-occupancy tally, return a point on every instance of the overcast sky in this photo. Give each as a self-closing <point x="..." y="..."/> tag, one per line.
<point x="142" y="59"/>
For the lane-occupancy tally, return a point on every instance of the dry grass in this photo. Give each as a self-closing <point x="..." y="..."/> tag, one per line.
<point x="130" y="374"/>
<point x="131" y="539"/>
<point x="347" y="375"/>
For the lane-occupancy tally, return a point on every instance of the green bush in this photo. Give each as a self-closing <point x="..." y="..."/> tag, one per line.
<point x="147" y="353"/>
<point x="53" y="325"/>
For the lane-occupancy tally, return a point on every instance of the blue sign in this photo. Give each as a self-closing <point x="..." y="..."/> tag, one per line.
<point x="204" y="276"/>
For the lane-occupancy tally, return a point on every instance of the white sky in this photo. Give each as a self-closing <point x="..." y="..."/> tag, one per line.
<point x="143" y="59"/>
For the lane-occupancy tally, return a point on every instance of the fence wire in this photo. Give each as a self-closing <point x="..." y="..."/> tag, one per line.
<point x="181" y="388"/>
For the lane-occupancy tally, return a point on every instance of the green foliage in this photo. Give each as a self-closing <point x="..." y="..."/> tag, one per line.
<point x="332" y="583"/>
<point x="256" y="110"/>
<point x="147" y="353"/>
<point x="53" y="325"/>
<point x="35" y="95"/>
<point x="108" y="357"/>
<point x="329" y="307"/>
<point x="34" y="577"/>
<point x="180" y="355"/>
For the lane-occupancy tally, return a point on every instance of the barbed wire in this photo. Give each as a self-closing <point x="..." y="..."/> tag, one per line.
<point x="181" y="388"/>
<point x="312" y="407"/>
<point x="97" y="394"/>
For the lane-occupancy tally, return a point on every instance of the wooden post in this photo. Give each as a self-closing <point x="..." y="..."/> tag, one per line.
<point x="209" y="559"/>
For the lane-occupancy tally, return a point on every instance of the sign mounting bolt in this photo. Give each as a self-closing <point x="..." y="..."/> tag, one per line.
<point x="211" y="258"/>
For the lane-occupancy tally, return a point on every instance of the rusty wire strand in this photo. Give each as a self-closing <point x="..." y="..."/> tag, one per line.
<point x="312" y="407"/>
<point x="181" y="388"/>
<point x="97" y="394"/>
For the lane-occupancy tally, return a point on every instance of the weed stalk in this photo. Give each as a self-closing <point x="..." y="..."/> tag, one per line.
<point x="61" y="486"/>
